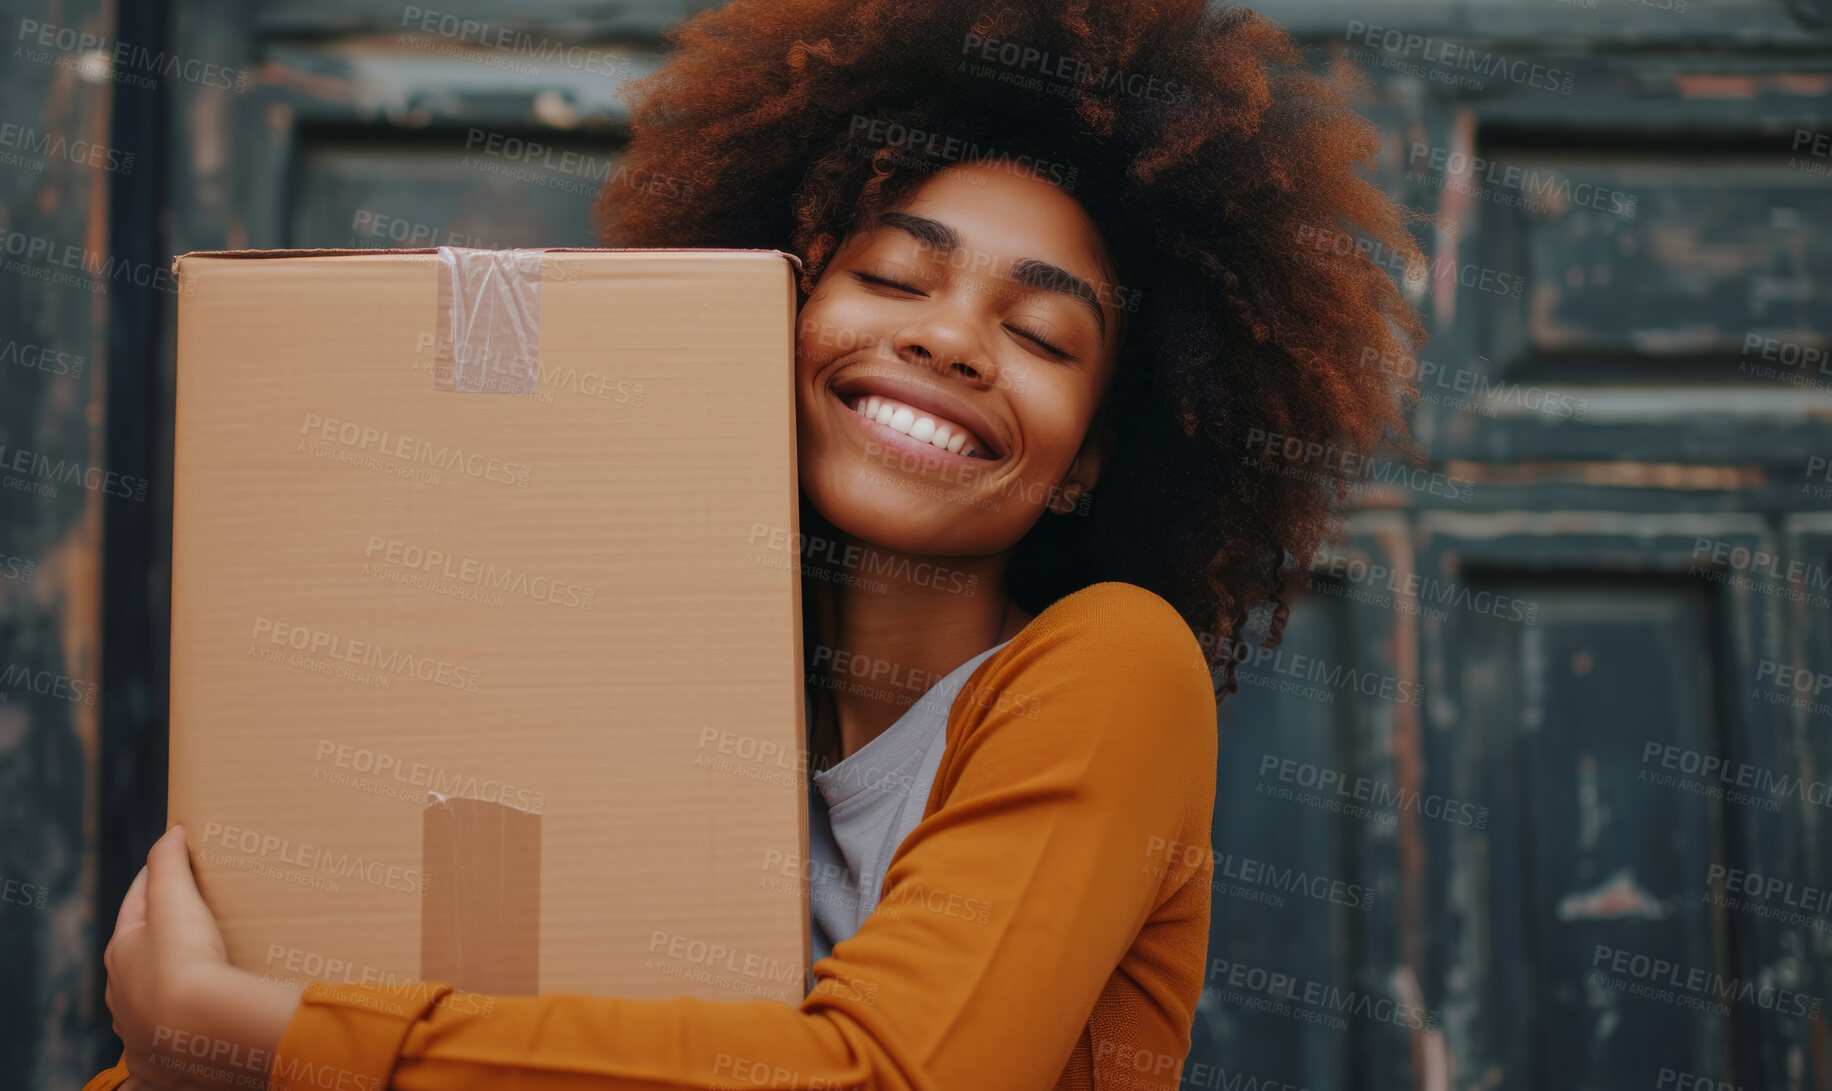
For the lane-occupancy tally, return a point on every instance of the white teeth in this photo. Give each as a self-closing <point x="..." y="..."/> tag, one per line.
<point x="939" y="433"/>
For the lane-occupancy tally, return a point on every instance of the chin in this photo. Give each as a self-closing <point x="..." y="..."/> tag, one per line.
<point x="905" y="513"/>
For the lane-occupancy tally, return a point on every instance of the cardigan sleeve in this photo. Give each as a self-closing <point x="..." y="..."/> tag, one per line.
<point x="1003" y="914"/>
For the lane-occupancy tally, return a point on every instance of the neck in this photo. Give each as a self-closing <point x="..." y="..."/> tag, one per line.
<point x="887" y="625"/>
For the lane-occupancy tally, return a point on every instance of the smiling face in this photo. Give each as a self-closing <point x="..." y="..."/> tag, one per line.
<point x="950" y="361"/>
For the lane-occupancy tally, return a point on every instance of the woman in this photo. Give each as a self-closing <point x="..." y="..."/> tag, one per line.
<point x="1066" y="269"/>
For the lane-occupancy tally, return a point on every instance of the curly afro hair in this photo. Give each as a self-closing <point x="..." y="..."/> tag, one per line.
<point x="1220" y="171"/>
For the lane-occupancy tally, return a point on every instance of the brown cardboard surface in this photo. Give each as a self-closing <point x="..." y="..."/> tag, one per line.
<point x="555" y="603"/>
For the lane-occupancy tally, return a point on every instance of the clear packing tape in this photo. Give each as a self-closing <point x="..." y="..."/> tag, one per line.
<point x="488" y="324"/>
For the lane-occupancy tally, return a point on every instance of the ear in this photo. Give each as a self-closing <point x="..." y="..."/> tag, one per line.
<point x="1096" y="451"/>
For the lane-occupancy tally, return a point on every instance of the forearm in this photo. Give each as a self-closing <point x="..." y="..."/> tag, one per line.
<point x="226" y="1027"/>
<point x="414" y="1040"/>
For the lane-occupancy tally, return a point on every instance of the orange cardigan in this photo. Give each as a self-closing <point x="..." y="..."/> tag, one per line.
<point x="1086" y="832"/>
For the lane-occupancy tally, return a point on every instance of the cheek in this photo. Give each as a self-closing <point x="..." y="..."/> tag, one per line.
<point x="830" y="328"/>
<point x="1053" y="416"/>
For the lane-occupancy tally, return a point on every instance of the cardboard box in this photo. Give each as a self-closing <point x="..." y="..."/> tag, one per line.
<point x="481" y="670"/>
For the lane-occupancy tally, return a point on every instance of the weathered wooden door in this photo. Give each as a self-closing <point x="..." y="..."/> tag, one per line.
<point x="1537" y="795"/>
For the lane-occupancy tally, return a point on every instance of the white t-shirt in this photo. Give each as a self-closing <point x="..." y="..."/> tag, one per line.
<point x="861" y="809"/>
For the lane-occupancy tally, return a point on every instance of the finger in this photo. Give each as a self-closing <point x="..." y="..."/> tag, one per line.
<point x="133" y="907"/>
<point x="171" y="889"/>
<point x="130" y="919"/>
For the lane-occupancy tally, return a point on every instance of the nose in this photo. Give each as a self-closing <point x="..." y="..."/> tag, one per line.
<point x="942" y="339"/>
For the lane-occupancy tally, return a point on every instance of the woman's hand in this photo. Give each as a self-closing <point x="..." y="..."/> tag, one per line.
<point x="185" y="1016"/>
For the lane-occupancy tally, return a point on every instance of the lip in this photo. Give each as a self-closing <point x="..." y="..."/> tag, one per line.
<point x="922" y="397"/>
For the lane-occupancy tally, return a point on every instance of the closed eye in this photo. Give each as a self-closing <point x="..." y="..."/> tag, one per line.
<point x="886" y="282"/>
<point x="1041" y="342"/>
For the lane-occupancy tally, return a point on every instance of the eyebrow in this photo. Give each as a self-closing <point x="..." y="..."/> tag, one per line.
<point x="1026" y="272"/>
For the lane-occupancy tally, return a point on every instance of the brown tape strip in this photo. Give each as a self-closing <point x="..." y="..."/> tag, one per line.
<point x="480" y="921"/>
<point x="488" y="325"/>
